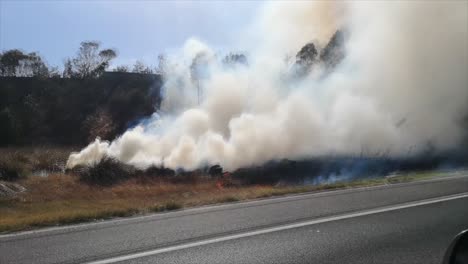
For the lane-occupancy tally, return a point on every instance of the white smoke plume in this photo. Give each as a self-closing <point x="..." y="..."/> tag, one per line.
<point x="402" y="84"/>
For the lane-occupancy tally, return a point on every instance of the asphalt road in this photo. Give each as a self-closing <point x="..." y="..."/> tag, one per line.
<point x="404" y="223"/>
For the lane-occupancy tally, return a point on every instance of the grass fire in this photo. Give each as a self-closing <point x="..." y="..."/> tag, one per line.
<point x="315" y="96"/>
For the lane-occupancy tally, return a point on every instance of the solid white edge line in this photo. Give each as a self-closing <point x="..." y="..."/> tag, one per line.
<point x="278" y="228"/>
<point x="206" y="208"/>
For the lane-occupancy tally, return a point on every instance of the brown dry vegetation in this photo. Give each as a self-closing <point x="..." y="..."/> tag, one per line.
<point x="62" y="199"/>
<point x="24" y="161"/>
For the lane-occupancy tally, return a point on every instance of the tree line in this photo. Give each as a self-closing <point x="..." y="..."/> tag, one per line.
<point x="75" y="105"/>
<point x="90" y="61"/>
<point x="84" y="100"/>
<point x="73" y="111"/>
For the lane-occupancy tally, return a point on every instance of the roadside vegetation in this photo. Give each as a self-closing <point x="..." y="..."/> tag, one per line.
<point x="110" y="189"/>
<point x="45" y="114"/>
<point x="21" y="162"/>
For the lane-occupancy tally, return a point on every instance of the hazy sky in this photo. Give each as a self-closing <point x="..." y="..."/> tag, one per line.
<point x="137" y="29"/>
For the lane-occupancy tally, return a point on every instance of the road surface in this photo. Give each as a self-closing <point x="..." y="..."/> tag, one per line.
<point x="400" y="223"/>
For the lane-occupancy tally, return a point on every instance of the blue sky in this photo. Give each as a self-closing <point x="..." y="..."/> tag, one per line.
<point x="137" y="29"/>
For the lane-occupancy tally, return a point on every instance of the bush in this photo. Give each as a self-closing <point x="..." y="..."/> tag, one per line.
<point x="21" y="162"/>
<point x="158" y="172"/>
<point x="172" y="206"/>
<point x="8" y="174"/>
<point x="215" y="171"/>
<point x="168" y="206"/>
<point x="13" y="166"/>
<point x="106" y="172"/>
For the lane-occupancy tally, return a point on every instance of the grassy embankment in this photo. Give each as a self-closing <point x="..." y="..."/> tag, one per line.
<point x="63" y="199"/>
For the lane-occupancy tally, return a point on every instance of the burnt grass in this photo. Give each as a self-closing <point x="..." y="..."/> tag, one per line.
<point x="108" y="171"/>
<point x="344" y="168"/>
<point x="314" y="171"/>
<point x="110" y="188"/>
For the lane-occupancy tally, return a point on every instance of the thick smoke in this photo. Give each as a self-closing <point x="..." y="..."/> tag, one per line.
<point x="401" y="88"/>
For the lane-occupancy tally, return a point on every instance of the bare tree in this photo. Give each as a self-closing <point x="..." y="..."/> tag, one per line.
<point x="140" y="67"/>
<point x="162" y="64"/>
<point x="99" y="124"/>
<point x="198" y="71"/>
<point x="90" y="62"/>
<point x="67" y="69"/>
<point x="54" y="72"/>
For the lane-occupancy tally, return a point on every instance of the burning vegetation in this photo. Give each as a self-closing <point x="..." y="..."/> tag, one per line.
<point x="361" y="97"/>
<point x="358" y="88"/>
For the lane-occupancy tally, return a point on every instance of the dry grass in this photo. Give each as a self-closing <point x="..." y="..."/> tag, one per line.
<point x="62" y="199"/>
<point x="24" y="161"/>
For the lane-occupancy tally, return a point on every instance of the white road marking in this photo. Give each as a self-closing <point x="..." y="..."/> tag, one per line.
<point x="207" y="208"/>
<point x="278" y="228"/>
